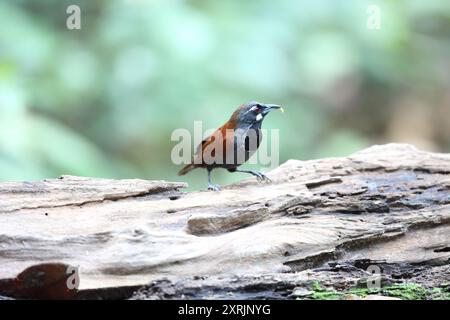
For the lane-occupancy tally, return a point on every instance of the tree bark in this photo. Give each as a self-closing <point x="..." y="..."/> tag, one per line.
<point x="326" y="220"/>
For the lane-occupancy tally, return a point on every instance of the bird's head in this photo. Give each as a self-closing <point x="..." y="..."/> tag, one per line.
<point x="253" y="112"/>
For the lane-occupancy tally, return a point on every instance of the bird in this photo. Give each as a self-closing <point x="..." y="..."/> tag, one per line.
<point x="233" y="143"/>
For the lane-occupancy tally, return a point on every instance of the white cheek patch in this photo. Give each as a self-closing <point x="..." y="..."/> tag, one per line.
<point x="259" y="117"/>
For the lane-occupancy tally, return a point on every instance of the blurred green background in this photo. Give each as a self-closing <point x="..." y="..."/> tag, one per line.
<point x="103" y="101"/>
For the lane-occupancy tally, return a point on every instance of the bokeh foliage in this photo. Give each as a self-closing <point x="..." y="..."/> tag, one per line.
<point x="103" y="101"/>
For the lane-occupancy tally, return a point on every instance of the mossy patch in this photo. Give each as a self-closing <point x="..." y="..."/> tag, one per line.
<point x="440" y="293"/>
<point x="321" y="293"/>
<point x="406" y="291"/>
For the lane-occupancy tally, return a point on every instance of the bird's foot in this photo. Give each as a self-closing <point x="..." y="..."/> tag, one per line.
<point x="213" y="187"/>
<point x="261" y="177"/>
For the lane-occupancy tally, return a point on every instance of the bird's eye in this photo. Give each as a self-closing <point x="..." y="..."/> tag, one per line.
<point x="257" y="108"/>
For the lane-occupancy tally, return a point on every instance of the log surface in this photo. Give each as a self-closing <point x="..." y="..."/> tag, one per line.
<point x="325" y="220"/>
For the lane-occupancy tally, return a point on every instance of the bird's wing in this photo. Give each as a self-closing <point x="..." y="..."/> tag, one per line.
<point x="213" y="148"/>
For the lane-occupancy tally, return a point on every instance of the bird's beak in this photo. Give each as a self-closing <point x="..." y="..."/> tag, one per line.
<point x="270" y="107"/>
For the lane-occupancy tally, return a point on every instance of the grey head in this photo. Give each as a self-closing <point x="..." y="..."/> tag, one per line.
<point x="252" y="112"/>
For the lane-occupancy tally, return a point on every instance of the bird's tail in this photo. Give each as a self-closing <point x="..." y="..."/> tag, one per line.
<point x="186" y="169"/>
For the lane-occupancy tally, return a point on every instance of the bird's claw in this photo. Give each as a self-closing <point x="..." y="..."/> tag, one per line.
<point x="261" y="177"/>
<point x="214" y="187"/>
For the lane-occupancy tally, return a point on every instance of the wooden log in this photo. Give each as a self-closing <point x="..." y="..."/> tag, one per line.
<point x="326" y="220"/>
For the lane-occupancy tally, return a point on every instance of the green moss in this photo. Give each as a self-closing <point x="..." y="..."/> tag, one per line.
<point x="440" y="293"/>
<point x="407" y="291"/>
<point x="321" y="293"/>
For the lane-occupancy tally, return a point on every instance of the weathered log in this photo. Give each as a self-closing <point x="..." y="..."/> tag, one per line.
<point x="324" y="220"/>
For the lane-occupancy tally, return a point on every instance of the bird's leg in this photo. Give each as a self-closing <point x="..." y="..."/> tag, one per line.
<point x="261" y="177"/>
<point x="211" y="186"/>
